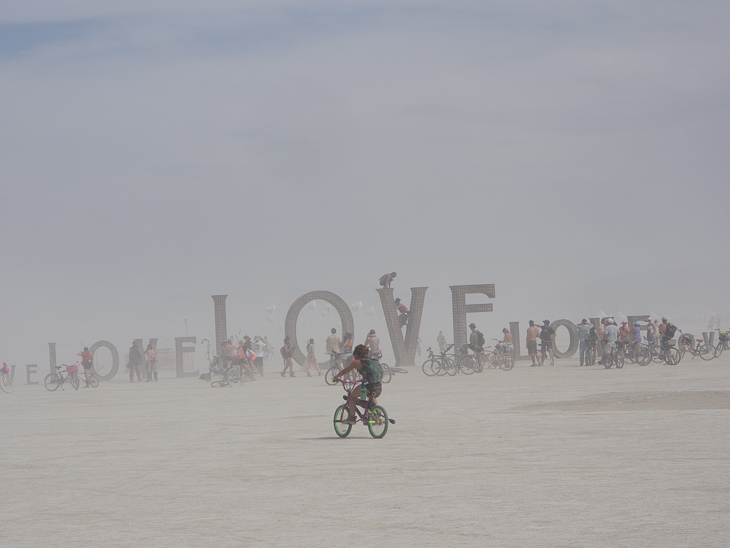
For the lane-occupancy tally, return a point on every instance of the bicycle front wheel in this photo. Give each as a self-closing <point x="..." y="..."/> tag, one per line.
<point x="341" y="429"/>
<point x="707" y="352"/>
<point x="52" y="381"/>
<point x="75" y="382"/>
<point x="6" y="385"/>
<point x="377" y="421"/>
<point x="619" y="360"/>
<point x="387" y="374"/>
<point x="331" y="372"/>
<point x="643" y="356"/>
<point x="718" y="349"/>
<point x="233" y="377"/>
<point x="428" y="368"/>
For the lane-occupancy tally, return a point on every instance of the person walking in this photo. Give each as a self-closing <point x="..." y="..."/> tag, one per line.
<point x="311" y="363"/>
<point x="286" y="352"/>
<point x="151" y="358"/>
<point x="583" y="330"/>
<point x="332" y="346"/>
<point x="442" y="341"/>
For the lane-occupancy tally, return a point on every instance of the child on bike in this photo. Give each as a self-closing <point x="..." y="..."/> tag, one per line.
<point x="371" y="373"/>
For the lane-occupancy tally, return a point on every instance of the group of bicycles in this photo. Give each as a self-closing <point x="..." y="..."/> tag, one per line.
<point x="70" y="374"/>
<point x="448" y="363"/>
<point x="667" y="352"/>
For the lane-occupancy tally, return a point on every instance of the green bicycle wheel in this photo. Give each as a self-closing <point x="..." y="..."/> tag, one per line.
<point x="341" y="429"/>
<point x="377" y="421"/>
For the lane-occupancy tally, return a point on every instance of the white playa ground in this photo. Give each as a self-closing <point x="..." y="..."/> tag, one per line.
<point x="553" y="456"/>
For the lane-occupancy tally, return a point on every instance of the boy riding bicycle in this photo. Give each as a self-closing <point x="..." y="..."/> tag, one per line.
<point x="371" y="373"/>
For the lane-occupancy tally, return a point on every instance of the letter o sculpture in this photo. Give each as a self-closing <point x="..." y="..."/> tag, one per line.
<point x="573" y="347"/>
<point x="115" y="358"/>
<point x="290" y="325"/>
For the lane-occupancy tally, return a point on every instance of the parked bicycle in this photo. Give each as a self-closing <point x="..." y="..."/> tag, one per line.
<point x="59" y="378"/>
<point x="698" y="347"/>
<point x="338" y="360"/>
<point x="615" y="356"/>
<point x="373" y="416"/>
<point x="6" y="383"/>
<point x="723" y="342"/>
<point x="501" y="357"/>
<point x="439" y="364"/>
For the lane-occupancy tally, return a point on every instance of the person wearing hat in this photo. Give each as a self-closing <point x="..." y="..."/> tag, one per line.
<point x="612" y="335"/>
<point x="547" y="339"/>
<point x="533" y="332"/>
<point x="583" y="330"/>
<point x="135" y="361"/>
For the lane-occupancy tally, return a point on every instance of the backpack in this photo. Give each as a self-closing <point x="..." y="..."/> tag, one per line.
<point x="371" y="370"/>
<point x="283" y="352"/>
<point x="480" y="338"/>
<point x="670" y="331"/>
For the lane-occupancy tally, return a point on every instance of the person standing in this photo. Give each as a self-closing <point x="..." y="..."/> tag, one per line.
<point x="533" y="332"/>
<point x="229" y="353"/>
<point x="87" y="361"/>
<point x="259" y="346"/>
<point x="332" y="346"/>
<point x="386" y="279"/>
<point x="584" y="334"/>
<point x="135" y="361"/>
<point x="651" y="333"/>
<point x="612" y="335"/>
<point x="286" y="352"/>
<point x="372" y="341"/>
<point x="623" y="331"/>
<point x="547" y="338"/>
<point x="442" y="342"/>
<point x="311" y="364"/>
<point x="151" y="358"/>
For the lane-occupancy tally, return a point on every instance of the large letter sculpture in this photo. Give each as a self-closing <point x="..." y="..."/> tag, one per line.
<point x="179" y="351"/>
<point x="572" y="332"/>
<point x="221" y="329"/>
<point x="404" y="349"/>
<point x="461" y="309"/>
<point x="290" y="325"/>
<point x="115" y="358"/>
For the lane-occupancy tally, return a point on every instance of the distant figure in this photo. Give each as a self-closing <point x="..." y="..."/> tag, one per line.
<point x="547" y="338"/>
<point x="87" y="361"/>
<point x="332" y="344"/>
<point x="583" y="330"/>
<point x="403" y="312"/>
<point x="135" y="361"/>
<point x="442" y="341"/>
<point x="259" y="346"/>
<point x="286" y="352"/>
<point x="506" y="342"/>
<point x="151" y="355"/>
<point x="651" y="333"/>
<point x="348" y="339"/>
<point x="311" y="364"/>
<point x="386" y="279"/>
<point x="611" y="334"/>
<point x="623" y="331"/>
<point x="533" y="332"/>
<point x="372" y="341"/>
<point x="229" y="353"/>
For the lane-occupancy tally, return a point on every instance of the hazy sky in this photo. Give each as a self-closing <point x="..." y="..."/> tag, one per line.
<point x="155" y="153"/>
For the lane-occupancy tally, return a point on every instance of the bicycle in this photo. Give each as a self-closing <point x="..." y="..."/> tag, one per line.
<point x="374" y="416"/>
<point x="704" y="351"/>
<point x="723" y="343"/>
<point x="6" y="383"/>
<point x="54" y="380"/>
<point x="337" y="358"/>
<point x="439" y="365"/>
<point x="616" y="356"/>
<point x="501" y="357"/>
<point x="219" y="376"/>
<point x="546" y="352"/>
<point x="93" y="377"/>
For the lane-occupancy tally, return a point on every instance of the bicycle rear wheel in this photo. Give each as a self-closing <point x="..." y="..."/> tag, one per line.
<point x="341" y="429"/>
<point x="93" y="381"/>
<point x="6" y="385"/>
<point x="377" y="421"/>
<point x="233" y="377"/>
<point x="718" y="349"/>
<point x="508" y="363"/>
<point x="643" y="356"/>
<point x="52" y="381"/>
<point x="707" y="352"/>
<point x="466" y="364"/>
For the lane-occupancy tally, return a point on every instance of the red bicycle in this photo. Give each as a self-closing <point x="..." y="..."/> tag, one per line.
<point x="374" y="416"/>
